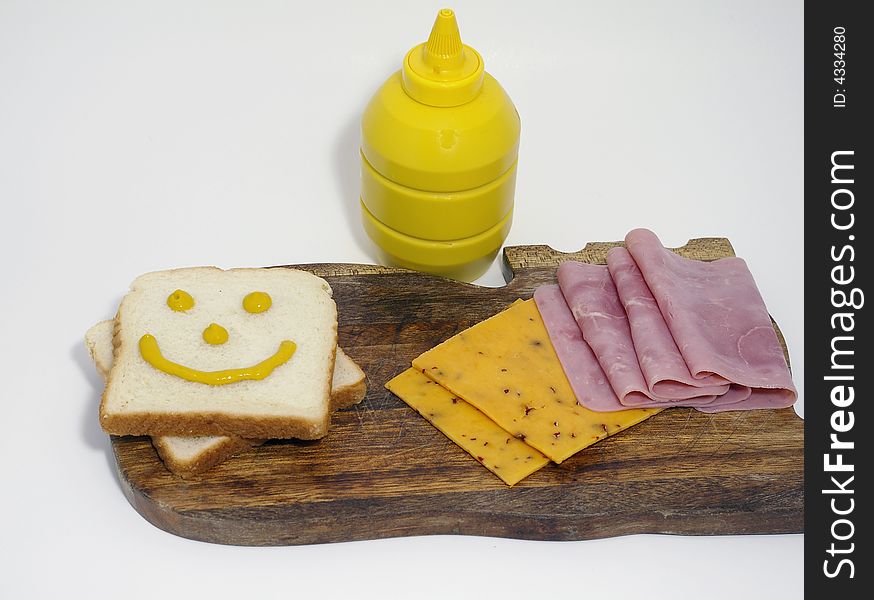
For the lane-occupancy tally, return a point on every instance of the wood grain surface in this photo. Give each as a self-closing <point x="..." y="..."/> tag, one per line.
<point x="383" y="471"/>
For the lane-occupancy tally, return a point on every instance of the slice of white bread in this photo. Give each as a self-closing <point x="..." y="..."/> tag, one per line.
<point x="190" y="456"/>
<point x="293" y="401"/>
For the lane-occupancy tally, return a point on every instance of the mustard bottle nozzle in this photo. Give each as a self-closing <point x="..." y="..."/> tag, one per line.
<point x="442" y="71"/>
<point x="444" y="51"/>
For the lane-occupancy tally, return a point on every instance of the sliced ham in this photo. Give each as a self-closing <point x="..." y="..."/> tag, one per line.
<point x="579" y="363"/>
<point x="718" y="321"/>
<point x="663" y="367"/>
<point x="653" y="329"/>
<point x="594" y="302"/>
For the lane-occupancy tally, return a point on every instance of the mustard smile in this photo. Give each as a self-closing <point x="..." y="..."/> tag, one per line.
<point x="152" y="354"/>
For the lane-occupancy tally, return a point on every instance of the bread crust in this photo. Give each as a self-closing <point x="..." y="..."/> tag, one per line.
<point x="348" y="396"/>
<point x="213" y="423"/>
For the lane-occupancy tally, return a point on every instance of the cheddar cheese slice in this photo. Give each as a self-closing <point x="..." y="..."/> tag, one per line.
<point x="507" y="457"/>
<point x="506" y="367"/>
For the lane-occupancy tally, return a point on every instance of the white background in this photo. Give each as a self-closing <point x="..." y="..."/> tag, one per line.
<point x="137" y="136"/>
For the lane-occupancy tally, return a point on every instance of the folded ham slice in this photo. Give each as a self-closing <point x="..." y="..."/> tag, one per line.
<point x="718" y="321"/>
<point x="594" y="302"/>
<point x="663" y="367"/>
<point x="587" y="378"/>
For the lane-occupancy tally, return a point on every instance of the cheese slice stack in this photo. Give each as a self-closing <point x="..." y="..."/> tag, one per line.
<point x="507" y="371"/>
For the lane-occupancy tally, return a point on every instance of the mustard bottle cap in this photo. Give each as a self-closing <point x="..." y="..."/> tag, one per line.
<point x="443" y="72"/>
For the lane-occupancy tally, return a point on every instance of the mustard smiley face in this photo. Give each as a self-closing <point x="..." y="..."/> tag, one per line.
<point x="214" y="334"/>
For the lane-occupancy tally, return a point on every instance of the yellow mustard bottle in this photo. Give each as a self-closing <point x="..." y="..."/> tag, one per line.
<point x="439" y="147"/>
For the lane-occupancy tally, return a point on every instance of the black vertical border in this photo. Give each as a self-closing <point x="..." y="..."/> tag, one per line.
<point x="830" y="129"/>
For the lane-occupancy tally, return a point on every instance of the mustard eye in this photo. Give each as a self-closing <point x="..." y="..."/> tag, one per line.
<point x="257" y="302"/>
<point x="180" y="301"/>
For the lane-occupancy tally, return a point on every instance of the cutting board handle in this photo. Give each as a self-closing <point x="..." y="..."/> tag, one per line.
<point x="517" y="258"/>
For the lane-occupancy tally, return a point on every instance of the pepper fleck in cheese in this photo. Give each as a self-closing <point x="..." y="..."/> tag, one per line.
<point x="507" y="457"/>
<point x="506" y="367"/>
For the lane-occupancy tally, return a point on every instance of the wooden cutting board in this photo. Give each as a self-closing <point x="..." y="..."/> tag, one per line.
<point x="383" y="471"/>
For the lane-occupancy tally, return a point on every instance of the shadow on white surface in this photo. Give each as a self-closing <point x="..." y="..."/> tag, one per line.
<point x="93" y="436"/>
<point x="347" y="171"/>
